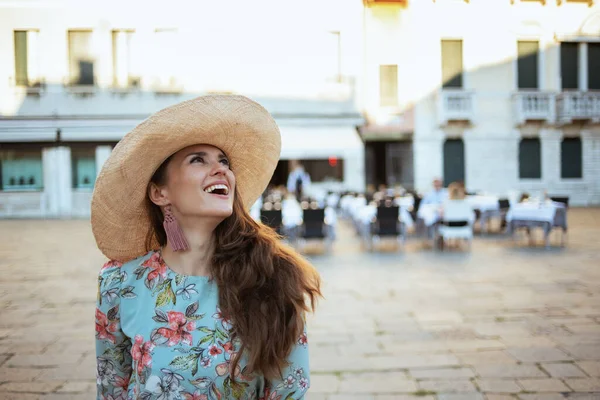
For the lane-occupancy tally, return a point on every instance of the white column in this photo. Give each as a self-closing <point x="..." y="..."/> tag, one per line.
<point x="50" y="185"/>
<point x="102" y="154"/>
<point x="56" y="164"/>
<point x="65" y="181"/>
<point x="583" y="61"/>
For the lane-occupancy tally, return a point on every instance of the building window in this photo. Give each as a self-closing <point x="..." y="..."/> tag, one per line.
<point x="527" y="64"/>
<point x="593" y="66"/>
<point x="569" y="65"/>
<point x="452" y="63"/>
<point x="530" y="159"/>
<point x="26" y="58"/>
<point x="388" y="85"/>
<point x="81" y="59"/>
<point x="454" y="161"/>
<point x="330" y="170"/>
<point x="21" y="170"/>
<point x="122" y="60"/>
<point x="83" y="164"/>
<point x="571" y="165"/>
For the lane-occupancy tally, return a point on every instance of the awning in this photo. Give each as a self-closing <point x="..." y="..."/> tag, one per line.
<point x="320" y="142"/>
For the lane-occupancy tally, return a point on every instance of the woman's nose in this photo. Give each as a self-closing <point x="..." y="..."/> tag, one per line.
<point x="219" y="168"/>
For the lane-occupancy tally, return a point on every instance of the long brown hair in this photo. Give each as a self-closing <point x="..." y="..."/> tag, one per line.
<point x="265" y="287"/>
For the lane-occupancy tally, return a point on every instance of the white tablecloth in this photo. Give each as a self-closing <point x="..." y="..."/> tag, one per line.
<point x="484" y="203"/>
<point x="542" y="212"/>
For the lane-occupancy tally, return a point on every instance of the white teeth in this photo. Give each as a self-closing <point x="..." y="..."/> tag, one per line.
<point x="212" y="188"/>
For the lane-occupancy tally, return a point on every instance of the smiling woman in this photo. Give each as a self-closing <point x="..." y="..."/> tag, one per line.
<point x="198" y="301"/>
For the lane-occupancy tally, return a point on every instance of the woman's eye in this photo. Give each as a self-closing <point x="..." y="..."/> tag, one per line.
<point x="197" y="158"/>
<point x="225" y="161"/>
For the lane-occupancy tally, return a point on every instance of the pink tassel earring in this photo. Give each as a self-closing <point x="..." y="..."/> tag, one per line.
<point x="173" y="230"/>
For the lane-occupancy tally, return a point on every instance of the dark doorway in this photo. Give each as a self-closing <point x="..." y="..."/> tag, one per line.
<point x="389" y="163"/>
<point x="454" y="161"/>
<point x="281" y="173"/>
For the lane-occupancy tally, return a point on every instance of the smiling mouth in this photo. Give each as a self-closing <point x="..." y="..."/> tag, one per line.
<point x="219" y="189"/>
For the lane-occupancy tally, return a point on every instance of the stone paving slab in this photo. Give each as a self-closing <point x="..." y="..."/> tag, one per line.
<point x="503" y="322"/>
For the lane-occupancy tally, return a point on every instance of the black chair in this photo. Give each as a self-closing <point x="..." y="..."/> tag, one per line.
<point x="561" y="199"/>
<point x="503" y="206"/>
<point x="313" y="224"/>
<point x="273" y="219"/>
<point x="386" y="222"/>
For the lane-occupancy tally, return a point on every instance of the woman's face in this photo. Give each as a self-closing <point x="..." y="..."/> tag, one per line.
<point x="199" y="183"/>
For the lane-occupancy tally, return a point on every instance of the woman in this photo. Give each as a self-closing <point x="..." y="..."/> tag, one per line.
<point x="198" y="301"/>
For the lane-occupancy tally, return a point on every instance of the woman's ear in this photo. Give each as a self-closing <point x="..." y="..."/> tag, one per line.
<point x="158" y="195"/>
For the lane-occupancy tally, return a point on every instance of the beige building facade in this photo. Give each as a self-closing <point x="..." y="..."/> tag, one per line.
<point x="501" y="94"/>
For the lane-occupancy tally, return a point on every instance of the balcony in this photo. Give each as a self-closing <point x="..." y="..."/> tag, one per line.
<point x="534" y="106"/>
<point x="578" y="106"/>
<point x="455" y="105"/>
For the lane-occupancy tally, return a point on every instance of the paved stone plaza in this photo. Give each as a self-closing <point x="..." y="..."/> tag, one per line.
<point x="503" y="321"/>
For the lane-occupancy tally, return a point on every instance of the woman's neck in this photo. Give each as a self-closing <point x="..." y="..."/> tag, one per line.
<point x="196" y="260"/>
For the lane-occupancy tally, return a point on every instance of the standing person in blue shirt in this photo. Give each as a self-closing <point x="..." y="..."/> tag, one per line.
<point x="438" y="195"/>
<point x="298" y="181"/>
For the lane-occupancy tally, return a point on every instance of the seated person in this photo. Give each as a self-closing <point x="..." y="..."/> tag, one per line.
<point x="438" y="195"/>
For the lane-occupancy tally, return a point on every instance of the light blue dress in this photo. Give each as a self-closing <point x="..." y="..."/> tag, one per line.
<point x="160" y="336"/>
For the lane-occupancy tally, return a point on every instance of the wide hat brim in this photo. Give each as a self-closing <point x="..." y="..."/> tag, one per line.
<point x="240" y="127"/>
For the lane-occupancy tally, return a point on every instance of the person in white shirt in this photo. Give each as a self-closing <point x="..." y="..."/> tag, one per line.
<point x="298" y="181"/>
<point x="438" y="195"/>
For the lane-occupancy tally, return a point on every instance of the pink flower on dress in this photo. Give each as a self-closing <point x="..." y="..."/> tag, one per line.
<point x="157" y="266"/>
<point x="268" y="395"/>
<point x="228" y="347"/>
<point x="289" y="382"/>
<point x="205" y="362"/>
<point x="105" y="328"/>
<point x="214" y="350"/>
<point x="195" y="396"/>
<point x="303" y="340"/>
<point x="142" y="353"/>
<point x="225" y="321"/>
<point x="121" y="385"/>
<point x="303" y="383"/>
<point x="178" y="331"/>
<point x="111" y="264"/>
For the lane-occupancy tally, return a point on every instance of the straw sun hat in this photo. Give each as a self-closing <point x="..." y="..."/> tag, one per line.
<point x="240" y="127"/>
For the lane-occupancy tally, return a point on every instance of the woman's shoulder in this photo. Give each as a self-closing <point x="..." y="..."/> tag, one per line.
<point x="130" y="266"/>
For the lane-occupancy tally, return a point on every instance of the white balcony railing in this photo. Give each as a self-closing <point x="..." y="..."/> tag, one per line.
<point x="574" y="106"/>
<point x="455" y="105"/>
<point x="534" y="106"/>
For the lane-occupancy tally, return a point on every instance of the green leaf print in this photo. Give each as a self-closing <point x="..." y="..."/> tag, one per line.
<point x="113" y="313"/>
<point x="238" y="389"/>
<point x="179" y="279"/>
<point x="127" y="293"/>
<point x="115" y="354"/>
<point x="185" y="362"/>
<point x="114" y="276"/>
<point x="206" y="329"/>
<point x="206" y="339"/>
<point x="220" y="334"/>
<point x="166" y="296"/>
<point x="227" y="387"/>
<point x="290" y="396"/>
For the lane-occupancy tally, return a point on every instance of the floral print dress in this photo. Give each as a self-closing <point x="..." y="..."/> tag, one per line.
<point x="160" y="336"/>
